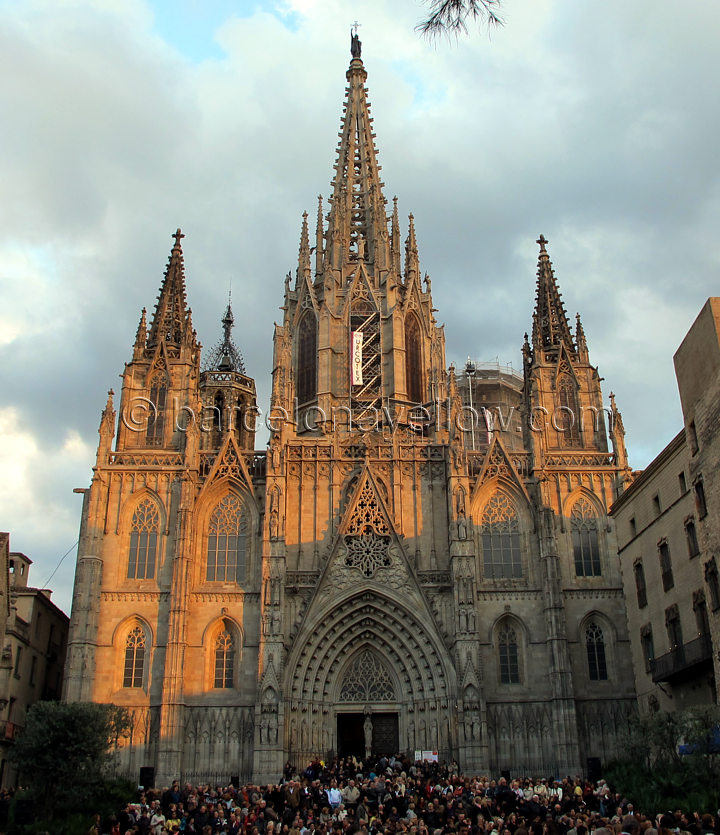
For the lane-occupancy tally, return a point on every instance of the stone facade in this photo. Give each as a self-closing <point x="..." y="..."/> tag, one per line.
<point x="662" y="566"/>
<point x="375" y="580"/>
<point x="668" y="535"/>
<point x="33" y="656"/>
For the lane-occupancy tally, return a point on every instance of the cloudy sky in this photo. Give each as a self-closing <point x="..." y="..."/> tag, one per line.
<point x="595" y="123"/>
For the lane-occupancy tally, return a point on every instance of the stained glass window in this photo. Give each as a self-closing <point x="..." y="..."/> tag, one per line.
<point x="501" y="539"/>
<point x="156" y="411"/>
<point x="568" y="418"/>
<point x="413" y="360"/>
<point x="307" y="358"/>
<point x="224" y="660"/>
<point x="586" y="550"/>
<point x="135" y="646"/>
<point x="508" y="653"/>
<point x="226" y="542"/>
<point x="143" y="541"/>
<point x="595" y="646"/>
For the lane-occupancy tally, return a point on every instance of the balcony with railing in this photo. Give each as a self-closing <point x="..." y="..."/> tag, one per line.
<point x="9" y="730"/>
<point x="682" y="659"/>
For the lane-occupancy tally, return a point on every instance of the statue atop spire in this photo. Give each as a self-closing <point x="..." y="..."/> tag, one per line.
<point x="357" y="202"/>
<point x="355" y="42"/>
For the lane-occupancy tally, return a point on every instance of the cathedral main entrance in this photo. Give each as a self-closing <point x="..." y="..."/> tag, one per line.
<point x="352" y="731"/>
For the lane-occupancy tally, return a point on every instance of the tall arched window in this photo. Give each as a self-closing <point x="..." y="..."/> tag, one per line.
<point x="568" y="416"/>
<point x="218" y="415"/>
<point x="134" y="668"/>
<point x="501" y="539"/>
<point x="143" y="541"/>
<point x="227" y="541"/>
<point x="586" y="550"/>
<point x="156" y="411"/>
<point x="413" y="360"/>
<point x="508" y="655"/>
<point x="595" y="646"/>
<point x="307" y="358"/>
<point x="224" y="659"/>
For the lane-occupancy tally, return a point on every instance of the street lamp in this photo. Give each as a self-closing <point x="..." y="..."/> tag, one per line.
<point x="470" y="370"/>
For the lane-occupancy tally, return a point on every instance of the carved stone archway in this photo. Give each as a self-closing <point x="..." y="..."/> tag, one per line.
<point x="374" y="629"/>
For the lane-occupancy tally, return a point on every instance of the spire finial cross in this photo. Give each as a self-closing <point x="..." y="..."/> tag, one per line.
<point x="354" y="28"/>
<point x="542" y="240"/>
<point x="178" y="236"/>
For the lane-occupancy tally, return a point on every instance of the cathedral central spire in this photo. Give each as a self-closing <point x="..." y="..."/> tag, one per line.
<point x="358" y="223"/>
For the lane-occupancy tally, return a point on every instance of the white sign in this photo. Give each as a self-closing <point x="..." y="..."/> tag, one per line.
<point x="356" y="343"/>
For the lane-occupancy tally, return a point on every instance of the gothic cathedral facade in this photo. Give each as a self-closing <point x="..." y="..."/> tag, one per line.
<point x="378" y="577"/>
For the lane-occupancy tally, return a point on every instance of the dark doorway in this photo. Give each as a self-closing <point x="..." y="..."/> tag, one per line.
<point x="350" y="734"/>
<point x="385" y="738"/>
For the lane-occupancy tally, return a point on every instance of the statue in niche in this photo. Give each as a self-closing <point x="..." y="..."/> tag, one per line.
<point x="273" y="524"/>
<point x="367" y="730"/>
<point x="273" y="729"/>
<point x="462" y="525"/>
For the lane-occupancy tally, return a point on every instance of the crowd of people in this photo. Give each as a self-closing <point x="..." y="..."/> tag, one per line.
<point x="389" y="795"/>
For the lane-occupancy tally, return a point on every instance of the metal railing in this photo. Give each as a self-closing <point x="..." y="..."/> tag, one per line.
<point x="681" y="658"/>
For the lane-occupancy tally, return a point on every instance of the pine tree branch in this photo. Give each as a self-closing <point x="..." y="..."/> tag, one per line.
<point x="451" y="16"/>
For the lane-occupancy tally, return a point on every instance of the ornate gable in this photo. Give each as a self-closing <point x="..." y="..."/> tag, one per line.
<point x="230" y="463"/>
<point x="499" y="465"/>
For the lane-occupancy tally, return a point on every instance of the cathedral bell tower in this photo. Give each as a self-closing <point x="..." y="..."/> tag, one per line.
<point x="160" y="382"/>
<point x="358" y="332"/>
<point x="562" y="389"/>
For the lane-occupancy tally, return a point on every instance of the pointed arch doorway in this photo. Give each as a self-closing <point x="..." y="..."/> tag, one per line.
<point x="367" y="717"/>
<point x="369" y="650"/>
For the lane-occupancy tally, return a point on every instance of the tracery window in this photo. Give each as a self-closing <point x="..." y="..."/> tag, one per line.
<point x="135" y="646"/>
<point x="368" y="537"/>
<point x="568" y="417"/>
<point x="143" y="541"/>
<point x="227" y="542"/>
<point x="224" y="660"/>
<point x="307" y="358"/>
<point x="156" y="414"/>
<point x="367" y="680"/>
<point x="586" y="549"/>
<point x="595" y="646"/>
<point x="501" y="539"/>
<point x="413" y="359"/>
<point x="508" y="655"/>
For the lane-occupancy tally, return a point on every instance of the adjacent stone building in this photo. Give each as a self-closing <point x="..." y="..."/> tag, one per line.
<point x="33" y="656"/>
<point x="668" y="539"/>
<point x="375" y="580"/>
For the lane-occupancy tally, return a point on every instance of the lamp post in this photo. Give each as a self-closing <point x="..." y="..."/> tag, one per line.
<point x="470" y="370"/>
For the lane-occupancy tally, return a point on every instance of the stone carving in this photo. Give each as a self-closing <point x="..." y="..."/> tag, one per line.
<point x="367" y="680"/>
